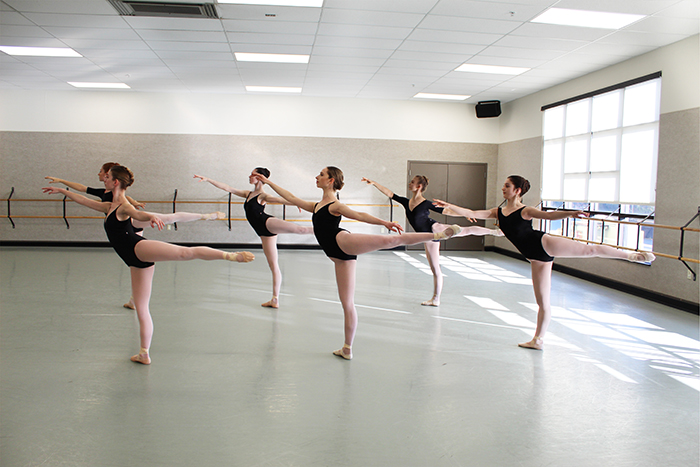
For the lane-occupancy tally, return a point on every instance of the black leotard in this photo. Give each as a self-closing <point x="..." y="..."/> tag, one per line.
<point x="419" y="217"/>
<point x="123" y="239"/>
<point x="255" y="213"/>
<point x="521" y="234"/>
<point x="326" y="229"/>
<point x="104" y="195"/>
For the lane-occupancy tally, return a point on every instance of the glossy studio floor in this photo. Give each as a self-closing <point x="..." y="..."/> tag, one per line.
<point x="236" y="384"/>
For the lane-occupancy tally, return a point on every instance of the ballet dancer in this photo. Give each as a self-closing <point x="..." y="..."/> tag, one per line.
<point x="540" y="248"/>
<point x="418" y="215"/>
<point x="342" y="247"/>
<point x="106" y="196"/>
<point x="266" y="226"/>
<point x="136" y="251"/>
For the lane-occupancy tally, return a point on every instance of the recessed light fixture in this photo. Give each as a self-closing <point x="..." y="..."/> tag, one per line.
<point x="39" y="51"/>
<point x="99" y="85"/>
<point x="272" y="58"/>
<point x="272" y="89"/>
<point x="312" y="3"/>
<point x="493" y="69"/>
<point x="586" y="18"/>
<point x="449" y="97"/>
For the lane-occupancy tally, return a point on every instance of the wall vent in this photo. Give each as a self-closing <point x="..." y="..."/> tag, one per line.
<point x="164" y="9"/>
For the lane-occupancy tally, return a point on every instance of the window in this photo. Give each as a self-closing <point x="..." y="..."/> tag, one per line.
<point x="599" y="154"/>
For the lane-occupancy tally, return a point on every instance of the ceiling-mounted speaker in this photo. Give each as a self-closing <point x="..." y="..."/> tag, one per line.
<point x="488" y="109"/>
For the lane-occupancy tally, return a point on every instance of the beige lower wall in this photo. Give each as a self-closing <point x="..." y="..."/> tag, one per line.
<point x="677" y="201"/>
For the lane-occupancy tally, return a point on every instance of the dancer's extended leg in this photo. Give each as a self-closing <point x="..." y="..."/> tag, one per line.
<point x="174" y="217"/>
<point x="566" y="248"/>
<point x="278" y="226"/>
<point x="542" y="284"/>
<point x="154" y="251"/>
<point x="141" y="283"/>
<point x="432" y="253"/>
<point x="469" y="230"/>
<point x="345" y="278"/>
<point x="357" y="244"/>
<point x="269" y="245"/>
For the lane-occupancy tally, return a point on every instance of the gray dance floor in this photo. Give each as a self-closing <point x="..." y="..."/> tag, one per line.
<point x="235" y="384"/>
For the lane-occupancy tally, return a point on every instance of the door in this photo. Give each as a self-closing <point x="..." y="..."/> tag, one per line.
<point x="463" y="184"/>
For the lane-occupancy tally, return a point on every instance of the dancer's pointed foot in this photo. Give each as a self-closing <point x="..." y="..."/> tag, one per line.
<point x="214" y="216"/>
<point x="240" y="256"/>
<point x="451" y="231"/>
<point x="130" y="304"/>
<point x="345" y="352"/>
<point x="498" y="233"/>
<point x="641" y="257"/>
<point x="274" y="303"/>
<point x="431" y="302"/>
<point x="535" y="344"/>
<point x="142" y="357"/>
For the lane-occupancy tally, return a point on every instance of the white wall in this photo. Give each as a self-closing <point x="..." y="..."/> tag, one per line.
<point x="229" y="114"/>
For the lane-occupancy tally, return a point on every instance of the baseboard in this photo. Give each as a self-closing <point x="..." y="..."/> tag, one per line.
<point x="667" y="300"/>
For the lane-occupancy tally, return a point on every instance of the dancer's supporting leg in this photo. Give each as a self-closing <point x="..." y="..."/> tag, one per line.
<point x="432" y="253"/>
<point x="278" y="226"/>
<point x="357" y="244"/>
<point x="542" y="283"/>
<point x="154" y="251"/>
<point x="141" y="284"/>
<point x="269" y="245"/>
<point x="345" y="278"/>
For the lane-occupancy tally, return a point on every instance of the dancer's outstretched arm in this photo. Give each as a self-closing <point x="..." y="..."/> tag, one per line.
<point x="343" y="210"/>
<point x="224" y="187"/>
<point x="387" y="192"/>
<point x="78" y="198"/>
<point x="287" y="195"/>
<point x="144" y="216"/>
<point x="457" y="211"/>
<point x="530" y="212"/>
<point x="76" y="186"/>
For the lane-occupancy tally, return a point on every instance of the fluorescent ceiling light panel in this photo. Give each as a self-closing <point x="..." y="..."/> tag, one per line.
<point x="272" y="58"/>
<point x="312" y="3"/>
<point x="272" y="89"/>
<point x="449" y="97"/>
<point x="99" y="85"/>
<point x="586" y="18"/>
<point x="493" y="69"/>
<point x="39" y="51"/>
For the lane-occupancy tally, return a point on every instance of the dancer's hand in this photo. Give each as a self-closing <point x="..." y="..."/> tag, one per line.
<point x="49" y="190"/>
<point x="53" y="179"/>
<point x="447" y="207"/>
<point x="138" y="205"/>
<point x="580" y="214"/>
<point x="157" y="222"/>
<point x="394" y="227"/>
<point x="261" y="177"/>
<point x="368" y="181"/>
<point x="201" y="179"/>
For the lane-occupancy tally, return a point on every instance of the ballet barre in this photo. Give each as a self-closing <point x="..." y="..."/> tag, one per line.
<point x="174" y="202"/>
